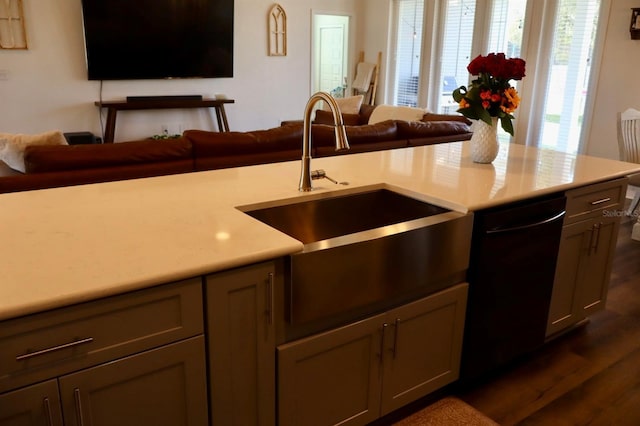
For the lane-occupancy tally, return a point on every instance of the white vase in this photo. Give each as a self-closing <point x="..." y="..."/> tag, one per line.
<point x="484" y="141"/>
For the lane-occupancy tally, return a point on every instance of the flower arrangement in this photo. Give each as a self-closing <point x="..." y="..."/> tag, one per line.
<point x="491" y="94"/>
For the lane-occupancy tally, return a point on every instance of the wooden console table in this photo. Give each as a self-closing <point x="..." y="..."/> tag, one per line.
<point x="114" y="106"/>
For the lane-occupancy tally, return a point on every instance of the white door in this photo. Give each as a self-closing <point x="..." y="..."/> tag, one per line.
<point x="331" y="64"/>
<point x="330" y="57"/>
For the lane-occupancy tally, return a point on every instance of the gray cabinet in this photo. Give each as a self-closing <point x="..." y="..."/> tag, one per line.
<point x="163" y="386"/>
<point x="241" y="327"/>
<point x="359" y="372"/>
<point x="137" y="358"/>
<point x="586" y="251"/>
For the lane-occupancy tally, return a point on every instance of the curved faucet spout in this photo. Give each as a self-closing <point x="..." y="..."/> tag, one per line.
<point x="341" y="136"/>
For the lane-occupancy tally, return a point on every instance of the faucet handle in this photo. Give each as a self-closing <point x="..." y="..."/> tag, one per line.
<point x="320" y="174"/>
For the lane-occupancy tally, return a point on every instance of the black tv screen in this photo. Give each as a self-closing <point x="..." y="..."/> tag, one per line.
<point x="158" y="39"/>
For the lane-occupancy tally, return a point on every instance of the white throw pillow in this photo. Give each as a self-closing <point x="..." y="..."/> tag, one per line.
<point x="350" y="105"/>
<point x="12" y="146"/>
<point x="392" y="112"/>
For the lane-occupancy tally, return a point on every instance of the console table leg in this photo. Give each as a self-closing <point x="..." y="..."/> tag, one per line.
<point x="225" y="124"/>
<point x="110" y="131"/>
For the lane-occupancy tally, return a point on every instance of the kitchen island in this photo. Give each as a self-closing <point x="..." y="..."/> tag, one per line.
<point x="64" y="246"/>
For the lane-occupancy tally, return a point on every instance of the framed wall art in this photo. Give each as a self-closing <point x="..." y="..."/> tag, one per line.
<point x="12" y="27"/>
<point x="277" y="31"/>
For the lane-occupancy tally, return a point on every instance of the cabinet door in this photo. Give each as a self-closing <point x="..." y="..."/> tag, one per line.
<point x="582" y="273"/>
<point x="423" y="347"/>
<point x="564" y="307"/>
<point x="163" y="386"/>
<point x="333" y="377"/>
<point x="241" y="345"/>
<point x="595" y="283"/>
<point x="37" y="405"/>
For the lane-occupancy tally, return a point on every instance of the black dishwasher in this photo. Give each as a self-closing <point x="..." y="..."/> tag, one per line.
<point x="513" y="260"/>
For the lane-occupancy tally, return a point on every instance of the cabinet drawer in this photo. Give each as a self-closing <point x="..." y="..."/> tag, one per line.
<point x="45" y="345"/>
<point x="594" y="200"/>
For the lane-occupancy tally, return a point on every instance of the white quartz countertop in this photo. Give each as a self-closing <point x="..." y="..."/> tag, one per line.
<point x="67" y="245"/>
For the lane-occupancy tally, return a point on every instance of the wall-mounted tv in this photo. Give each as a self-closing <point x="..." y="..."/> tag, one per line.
<point x="158" y="39"/>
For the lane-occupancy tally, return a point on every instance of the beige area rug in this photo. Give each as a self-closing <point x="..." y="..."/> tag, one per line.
<point x="448" y="411"/>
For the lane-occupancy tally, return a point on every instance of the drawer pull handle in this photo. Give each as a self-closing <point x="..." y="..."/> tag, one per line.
<point x="395" y="336"/>
<point x="78" y="401"/>
<point x="47" y="411"/>
<point x="384" y="328"/>
<point x="54" y="348"/>
<point x="596" y="229"/>
<point x="499" y="230"/>
<point x="603" y="200"/>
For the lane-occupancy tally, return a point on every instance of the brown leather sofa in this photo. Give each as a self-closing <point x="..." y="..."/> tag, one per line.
<point x="198" y="150"/>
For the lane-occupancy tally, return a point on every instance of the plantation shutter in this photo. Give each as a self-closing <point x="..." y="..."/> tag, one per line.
<point x="459" y="17"/>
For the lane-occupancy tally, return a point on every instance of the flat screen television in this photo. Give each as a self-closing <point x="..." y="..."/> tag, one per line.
<point x="158" y="39"/>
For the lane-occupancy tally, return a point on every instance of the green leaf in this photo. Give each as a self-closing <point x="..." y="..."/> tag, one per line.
<point x="484" y="115"/>
<point x="507" y="125"/>
<point x="459" y="93"/>
<point x="468" y="112"/>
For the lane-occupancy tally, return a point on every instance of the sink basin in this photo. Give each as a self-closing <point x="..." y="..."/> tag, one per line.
<point x="366" y="250"/>
<point x="323" y="219"/>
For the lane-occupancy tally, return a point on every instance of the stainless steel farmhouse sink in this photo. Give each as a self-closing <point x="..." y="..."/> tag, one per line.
<point x="364" y="250"/>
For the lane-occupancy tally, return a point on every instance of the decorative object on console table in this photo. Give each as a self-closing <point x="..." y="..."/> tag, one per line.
<point x="484" y="141"/>
<point x="634" y="27"/>
<point x="490" y="96"/>
<point x="277" y="31"/>
<point x="81" y="138"/>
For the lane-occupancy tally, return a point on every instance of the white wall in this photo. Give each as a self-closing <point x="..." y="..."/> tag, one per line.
<point x="374" y="33"/>
<point x="47" y="88"/>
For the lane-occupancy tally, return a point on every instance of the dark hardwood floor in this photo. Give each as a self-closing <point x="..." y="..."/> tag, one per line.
<point x="590" y="376"/>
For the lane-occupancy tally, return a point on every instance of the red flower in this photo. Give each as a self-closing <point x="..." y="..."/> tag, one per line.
<point x="485" y="95"/>
<point x="498" y="66"/>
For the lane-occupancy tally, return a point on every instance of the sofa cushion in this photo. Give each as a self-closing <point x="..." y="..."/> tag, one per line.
<point x="395" y="112"/>
<point x="348" y="105"/>
<point x="206" y="143"/>
<point x="421" y="129"/>
<point x="429" y="116"/>
<point x="213" y="150"/>
<point x="327" y="151"/>
<point x="32" y="181"/>
<point x="365" y="113"/>
<point x="40" y="159"/>
<point x="326" y="117"/>
<point x="324" y="135"/>
<point x="13" y="146"/>
<point x="285" y="138"/>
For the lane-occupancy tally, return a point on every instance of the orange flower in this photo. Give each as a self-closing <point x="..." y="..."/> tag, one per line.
<point x="511" y="100"/>
<point x="463" y="103"/>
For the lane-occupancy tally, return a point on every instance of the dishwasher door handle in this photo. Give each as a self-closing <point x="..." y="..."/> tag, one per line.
<point x="528" y="225"/>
